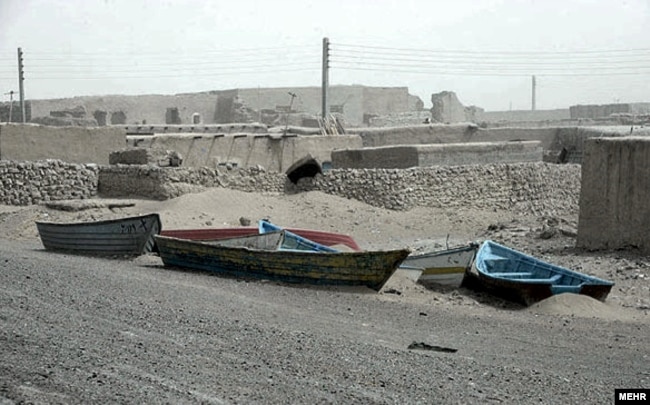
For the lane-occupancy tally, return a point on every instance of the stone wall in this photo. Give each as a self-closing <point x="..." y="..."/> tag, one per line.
<point x="26" y="183"/>
<point x="614" y="209"/>
<point x="528" y="188"/>
<point x="147" y="181"/>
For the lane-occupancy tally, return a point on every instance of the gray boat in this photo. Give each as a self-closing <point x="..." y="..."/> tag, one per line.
<point x="131" y="236"/>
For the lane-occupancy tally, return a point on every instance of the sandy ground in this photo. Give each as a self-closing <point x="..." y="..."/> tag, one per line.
<point x="155" y="335"/>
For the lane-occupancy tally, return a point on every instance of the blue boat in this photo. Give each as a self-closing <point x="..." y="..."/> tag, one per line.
<point x="293" y="241"/>
<point x="525" y="279"/>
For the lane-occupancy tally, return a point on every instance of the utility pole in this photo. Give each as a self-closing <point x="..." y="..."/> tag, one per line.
<point x="325" y="88"/>
<point x="21" y="80"/>
<point x="11" y="104"/>
<point x="286" y="118"/>
<point x="534" y="90"/>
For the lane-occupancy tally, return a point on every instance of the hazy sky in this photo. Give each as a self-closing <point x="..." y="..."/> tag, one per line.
<point x="581" y="51"/>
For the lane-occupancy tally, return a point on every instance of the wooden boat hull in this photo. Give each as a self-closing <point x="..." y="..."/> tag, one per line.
<point x="446" y="267"/>
<point x="521" y="278"/>
<point x="123" y="236"/>
<point x="322" y="237"/>
<point x="371" y="269"/>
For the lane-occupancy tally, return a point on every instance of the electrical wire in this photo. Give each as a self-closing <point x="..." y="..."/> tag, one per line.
<point x="126" y="64"/>
<point x="492" y="73"/>
<point x="490" y="63"/>
<point x="537" y="52"/>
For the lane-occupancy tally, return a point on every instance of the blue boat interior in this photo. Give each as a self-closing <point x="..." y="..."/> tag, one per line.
<point x="293" y="241"/>
<point x="501" y="262"/>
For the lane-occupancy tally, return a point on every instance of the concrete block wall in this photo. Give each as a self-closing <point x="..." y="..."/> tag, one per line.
<point x="457" y="154"/>
<point x="29" y="142"/>
<point x="614" y="208"/>
<point x="274" y="152"/>
<point x="552" y="139"/>
<point x="524" y="115"/>
<point x="454" y="133"/>
<point x="451" y="154"/>
<point x="605" y="110"/>
<point x="414" y="135"/>
<point x="573" y="138"/>
<point x="385" y="157"/>
<point x="26" y="183"/>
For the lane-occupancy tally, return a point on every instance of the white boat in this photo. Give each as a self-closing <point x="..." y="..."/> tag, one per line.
<point x="444" y="267"/>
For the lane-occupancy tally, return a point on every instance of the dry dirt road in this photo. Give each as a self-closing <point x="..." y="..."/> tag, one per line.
<point x="87" y="330"/>
<point x="92" y="330"/>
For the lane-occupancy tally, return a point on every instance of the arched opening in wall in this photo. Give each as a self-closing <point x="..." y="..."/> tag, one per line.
<point x="306" y="166"/>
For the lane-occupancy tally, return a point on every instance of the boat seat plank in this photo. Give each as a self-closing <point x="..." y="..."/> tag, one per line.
<point x="558" y="289"/>
<point x="549" y="280"/>
<point x="513" y="274"/>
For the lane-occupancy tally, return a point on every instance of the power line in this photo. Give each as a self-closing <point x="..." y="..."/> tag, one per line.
<point x="176" y="58"/>
<point x="538" y="52"/>
<point x="117" y="53"/>
<point x="488" y="73"/>
<point x="483" y="60"/>
<point x="491" y="63"/>
<point x="174" y="68"/>
<point x="479" y="68"/>
<point x="190" y="73"/>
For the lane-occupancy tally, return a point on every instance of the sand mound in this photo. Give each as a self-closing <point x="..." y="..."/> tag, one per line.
<point x="577" y="305"/>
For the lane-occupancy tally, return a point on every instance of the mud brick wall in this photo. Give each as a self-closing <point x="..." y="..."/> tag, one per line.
<point x="614" y="208"/>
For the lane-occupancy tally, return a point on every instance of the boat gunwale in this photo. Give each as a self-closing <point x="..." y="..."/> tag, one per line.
<point x="101" y="221"/>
